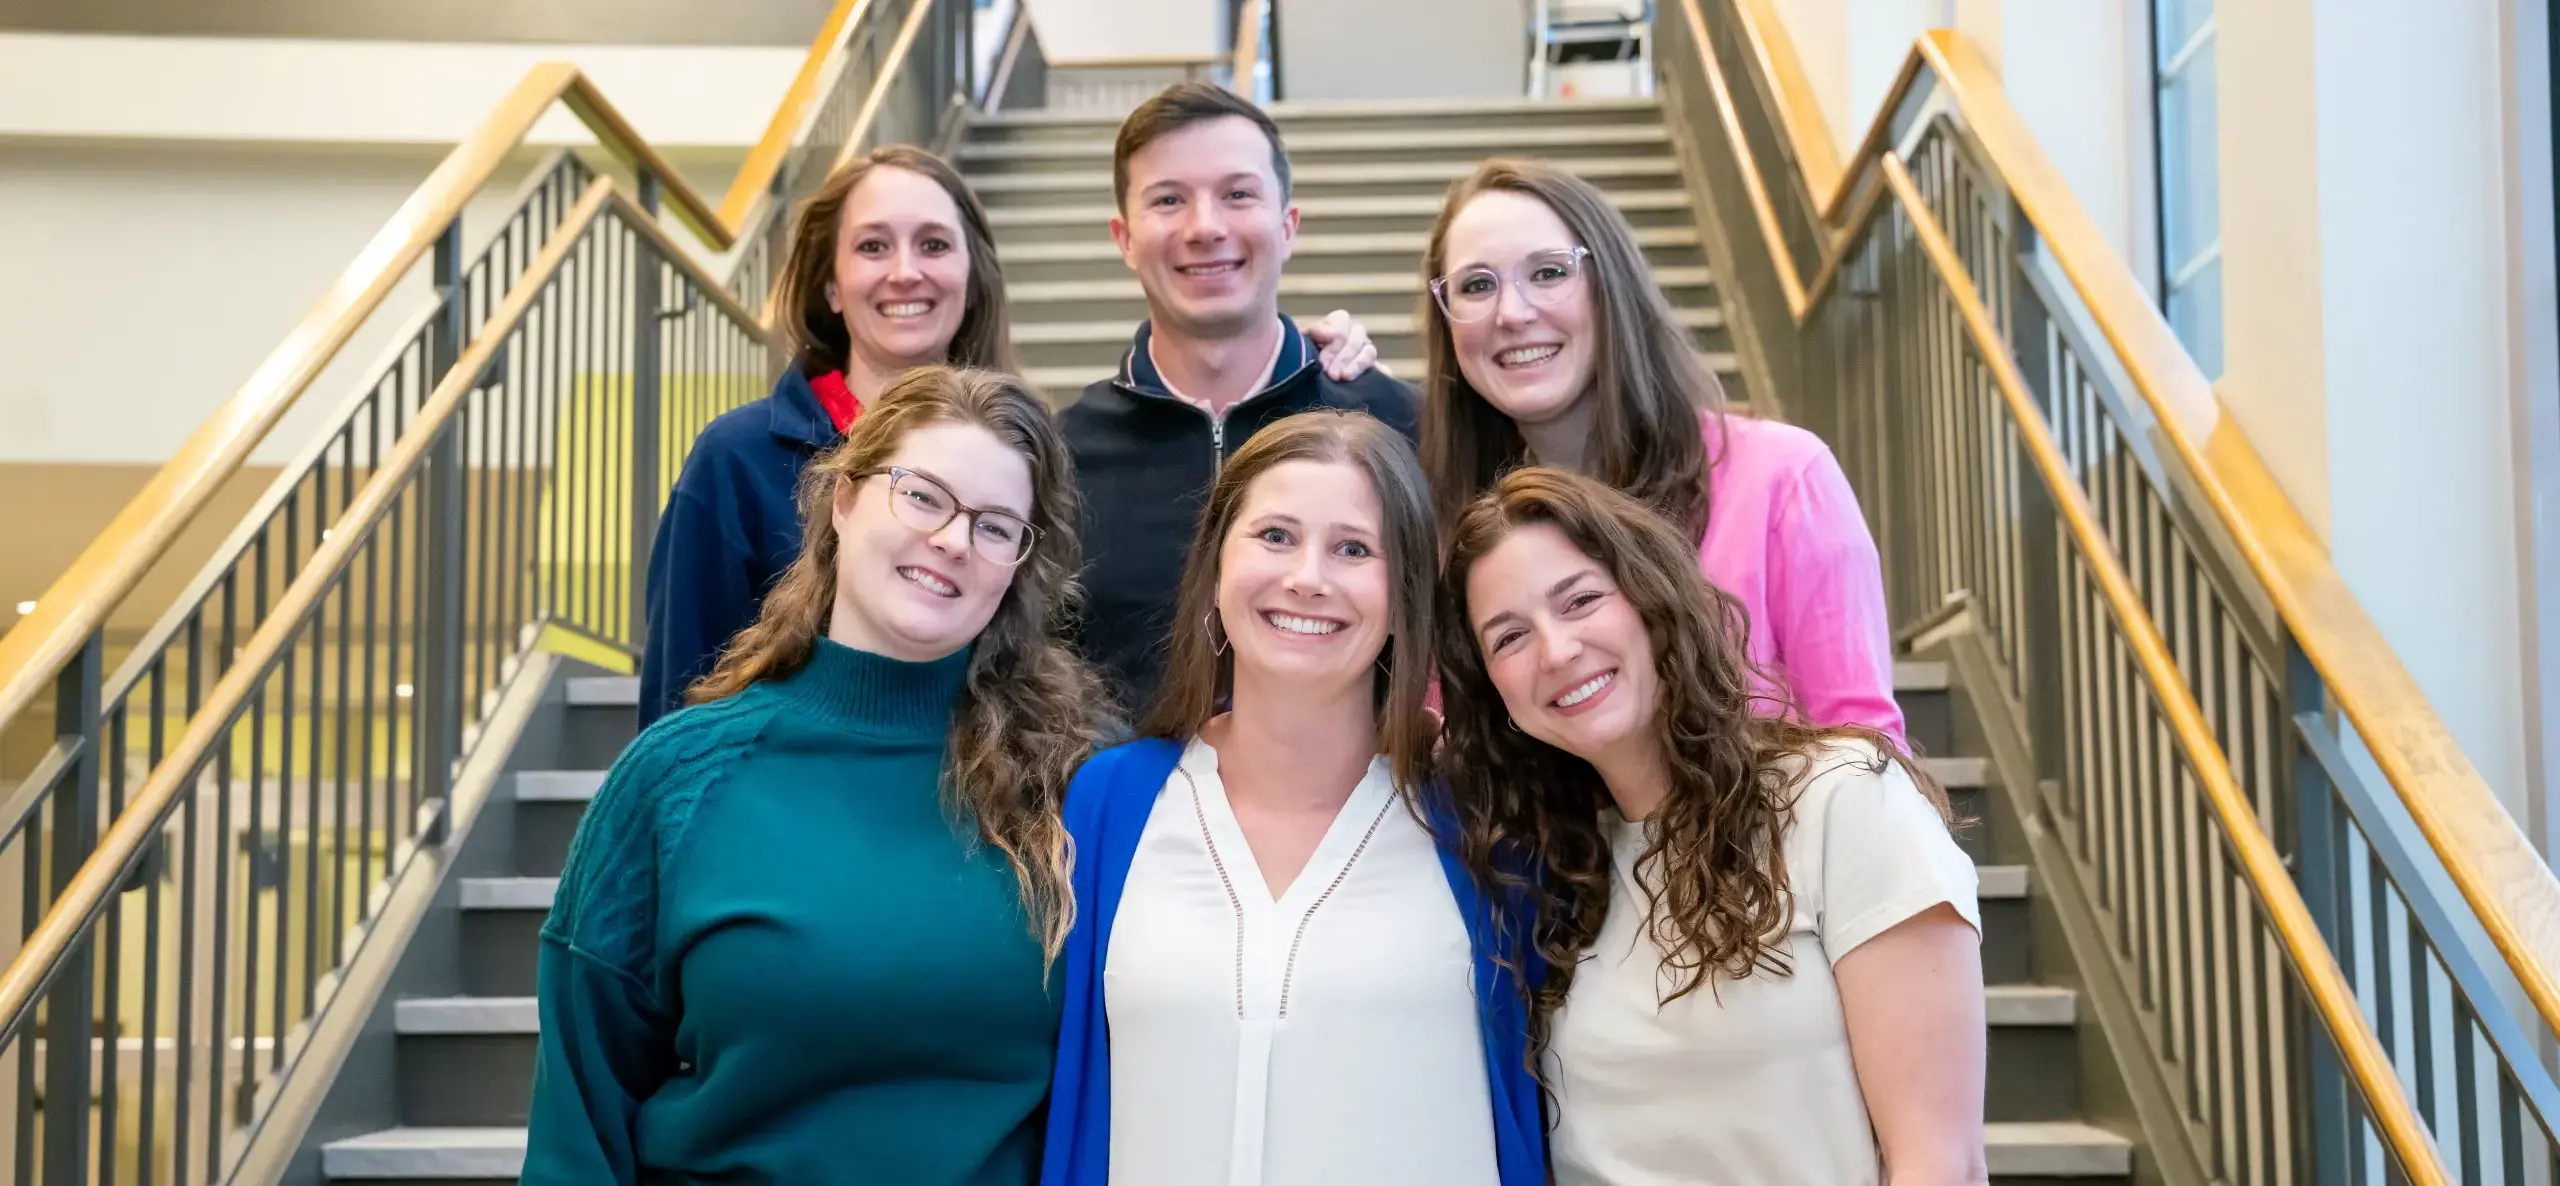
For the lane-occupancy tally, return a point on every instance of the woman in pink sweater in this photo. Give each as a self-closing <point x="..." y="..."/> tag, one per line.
<point x="1548" y="342"/>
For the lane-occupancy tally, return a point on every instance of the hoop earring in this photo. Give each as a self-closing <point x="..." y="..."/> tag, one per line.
<point x="1513" y="722"/>
<point x="1217" y="637"/>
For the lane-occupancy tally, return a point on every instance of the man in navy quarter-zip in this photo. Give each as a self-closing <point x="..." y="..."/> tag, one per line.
<point x="1205" y="220"/>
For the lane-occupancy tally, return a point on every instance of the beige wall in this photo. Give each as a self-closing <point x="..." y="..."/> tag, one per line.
<point x="666" y="22"/>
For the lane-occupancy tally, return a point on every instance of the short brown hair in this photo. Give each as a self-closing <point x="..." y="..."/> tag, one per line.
<point x="1177" y="107"/>
<point x="1198" y="675"/>
<point x="816" y="332"/>
<point x="1651" y="383"/>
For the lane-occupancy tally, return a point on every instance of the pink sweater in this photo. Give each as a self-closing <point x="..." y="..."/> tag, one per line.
<point x="1784" y="535"/>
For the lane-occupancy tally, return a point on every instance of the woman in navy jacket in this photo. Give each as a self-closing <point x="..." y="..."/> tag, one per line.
<point x="1276" y="973"/>
<point x="891" y="266"/>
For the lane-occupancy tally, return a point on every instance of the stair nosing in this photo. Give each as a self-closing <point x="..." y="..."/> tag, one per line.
<point x="1076" y="333"/>
<point x="1402" y="244"/>
<point x="1311" y="284"/>
<point x="1391" y="206"/>
<point x="2001" y="883"/>
<point x="2055" y="1149"/>
<point x="557" y="786"/>
<point x="1489" y="139"/>
<point x="417" y="1151"/>
<point x="2030" y="1006"/>
<point x="604" y="691"/>
<point x="1414" y="173"/>
<point x="1959" y="773"/>
<point x="509" y="893"/>
<point x="465" y="1016"/>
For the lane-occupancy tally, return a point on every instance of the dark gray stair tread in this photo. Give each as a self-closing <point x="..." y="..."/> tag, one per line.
<point x="1417" y="173"/>
<point x="510" y="893"/>
<point x="1422" y="205"/>
<point x="1308" y="285"/>
<point x="1920" y="675"/>
<point x="441" y="1153"/>
<point x="1103" y="251"/>
<point x="557" y="786"/>
<point x="1043" y="333"/>
<point x="2055" y="1149"/>
<point x="1484" y="141"/>
<point x="605" y="691"/>
<point x="2001" y="882"/>
<point x="466" y="1015"/>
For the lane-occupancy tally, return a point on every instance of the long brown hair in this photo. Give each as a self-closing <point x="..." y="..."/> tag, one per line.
<point x="816" y="332"/>
<point x="1027" y="715"/>
<point x="1529" y="813"/>
<point x="1197" y="675"/>
<point x="1650" y="382"/>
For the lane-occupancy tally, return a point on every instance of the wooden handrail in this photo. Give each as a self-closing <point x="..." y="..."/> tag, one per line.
<point x="98" y="877"/>
<point x="79" y="602"/>
<point x="1249" y="18"/>
<point x="2491" y="862"/>
<point x="799" y="103"/>
<point x="2332" y="997"/>
<point x="1799" y="113"/>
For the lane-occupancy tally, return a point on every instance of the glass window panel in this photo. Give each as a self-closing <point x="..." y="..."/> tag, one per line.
<point x="2190" y="179"/>
<point x="2176" y="22"/>
<point x="2195" y="312"/>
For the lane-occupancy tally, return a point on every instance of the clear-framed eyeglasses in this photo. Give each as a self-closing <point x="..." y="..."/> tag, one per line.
<point x="927" y="506"/>
<point x="1543" y="279"/>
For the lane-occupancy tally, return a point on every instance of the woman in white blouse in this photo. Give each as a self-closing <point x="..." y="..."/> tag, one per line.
<point x="1276" y="976"/>
<point x="1763" y="943"/>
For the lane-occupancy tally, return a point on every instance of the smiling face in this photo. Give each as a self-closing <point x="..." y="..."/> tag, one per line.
<point x="915" y="595"/>
<point x="1563" y="645"/>
<point x="1206" y="227"/>
<point x="901" y="277"/>
<point x="1303" y="580"/>
<point x="1533" y="362"/>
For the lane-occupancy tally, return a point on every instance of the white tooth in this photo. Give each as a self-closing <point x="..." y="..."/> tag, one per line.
<point x="1589" y="688"/>
<point x="1297" y="625"/>
<point x="929" y="581"/>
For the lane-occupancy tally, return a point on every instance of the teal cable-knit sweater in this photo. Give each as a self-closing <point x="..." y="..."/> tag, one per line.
<point x="776" y="957"/>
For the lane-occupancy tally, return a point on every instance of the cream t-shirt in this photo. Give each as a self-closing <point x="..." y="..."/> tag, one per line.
<point x="1748" y="1083"/>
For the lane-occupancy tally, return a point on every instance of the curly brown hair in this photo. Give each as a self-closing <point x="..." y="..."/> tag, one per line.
<point x="1529" y="813"/>
<point x="1027" y="716"/>
<point x="1652" y="384"/>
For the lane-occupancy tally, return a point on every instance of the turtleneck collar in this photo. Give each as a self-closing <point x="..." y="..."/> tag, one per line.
<point x="876" y="695"/>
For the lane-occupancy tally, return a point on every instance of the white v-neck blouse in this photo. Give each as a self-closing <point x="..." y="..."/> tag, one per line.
<point x="1328" y="1038"/>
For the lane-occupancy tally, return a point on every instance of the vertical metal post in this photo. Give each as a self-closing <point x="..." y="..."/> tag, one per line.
<point x="440" y="577"/>
<point x="647" y="272"/>
<point x="776" y="254"/>
<point x="2044" y="555"/>
<point x="67" y="1028"/>
<point x="2327" y="1121"/>
<point x="968" y="21"/>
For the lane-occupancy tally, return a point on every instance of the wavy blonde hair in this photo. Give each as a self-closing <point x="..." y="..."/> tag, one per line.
<point x="1027" y="716"/>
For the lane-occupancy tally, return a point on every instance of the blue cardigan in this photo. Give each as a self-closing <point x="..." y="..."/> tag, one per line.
<point x="1106" y="811"/>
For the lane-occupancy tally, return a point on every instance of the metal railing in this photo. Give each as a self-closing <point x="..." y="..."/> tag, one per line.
<point x="2318" y="1001"/>
<point x="210" y="838"/>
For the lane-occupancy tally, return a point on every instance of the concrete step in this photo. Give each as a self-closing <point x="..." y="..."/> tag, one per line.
<point x="1079" y="187"/>
<point x="548" y="806"/>
<point x="1315" y="149"/>
<point x="1299" y="120"/>
<point x="2018" y="1151"/>
<point x="2055" y="1149"/>
<point x="1096" y="346"/>
<point x="501" y="933"/>
<point x="1096" y="257"/>
<point x="1368" y="295"/>
<point x="1088" y="219"/>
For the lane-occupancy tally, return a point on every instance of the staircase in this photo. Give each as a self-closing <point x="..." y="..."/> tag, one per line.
<point x="1368" y="180"/>
<point x="462" y="1047"/>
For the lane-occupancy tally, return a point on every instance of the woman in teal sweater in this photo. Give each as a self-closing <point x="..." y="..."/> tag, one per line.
<point x="805" y="929"/>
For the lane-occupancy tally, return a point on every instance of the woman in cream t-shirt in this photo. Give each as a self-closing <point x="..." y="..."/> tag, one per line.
<point x="1765" y="954"/>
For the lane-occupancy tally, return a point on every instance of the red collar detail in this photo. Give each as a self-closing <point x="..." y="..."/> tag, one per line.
<point x="836" y="398"/>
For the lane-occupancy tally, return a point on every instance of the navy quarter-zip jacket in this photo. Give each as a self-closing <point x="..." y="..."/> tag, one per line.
<point x="1144" y="459"/>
